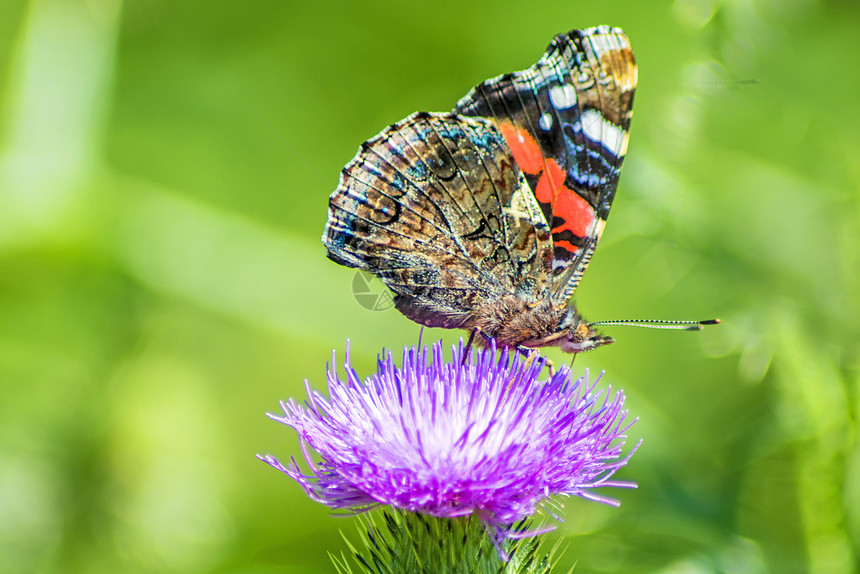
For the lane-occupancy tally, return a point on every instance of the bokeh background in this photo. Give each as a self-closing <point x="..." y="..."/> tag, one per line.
<point x="165" y="167"/>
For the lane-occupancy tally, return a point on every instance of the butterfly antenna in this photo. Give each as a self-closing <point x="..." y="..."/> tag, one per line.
<point x="661" y="324"/>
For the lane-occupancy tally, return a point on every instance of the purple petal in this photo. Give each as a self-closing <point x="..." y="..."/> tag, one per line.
<point x="453" y="438"/>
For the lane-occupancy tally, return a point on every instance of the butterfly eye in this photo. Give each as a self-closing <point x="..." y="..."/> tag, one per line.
<point x="580" y="333"/>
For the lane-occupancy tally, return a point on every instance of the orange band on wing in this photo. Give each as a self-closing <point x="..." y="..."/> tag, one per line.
<point x="549" y="183"/>
<point x="566" y="203"/>
<point x="523" y="147"/>
<point x="574" y="210"/>
<point x="566" y="245"/>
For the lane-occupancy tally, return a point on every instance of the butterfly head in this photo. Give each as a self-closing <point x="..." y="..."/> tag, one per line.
<point x="568" y="331"/>
<point x="582" y="337"/>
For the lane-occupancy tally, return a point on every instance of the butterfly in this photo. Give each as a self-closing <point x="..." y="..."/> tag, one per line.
<point x="485" y="218"/>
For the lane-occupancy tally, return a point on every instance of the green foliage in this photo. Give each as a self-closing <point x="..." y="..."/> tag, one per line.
<point x="408" y="543"/>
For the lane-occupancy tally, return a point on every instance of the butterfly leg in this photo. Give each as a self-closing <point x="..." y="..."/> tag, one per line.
<point x="532" y="354"/>
<point x="469" y="343"/>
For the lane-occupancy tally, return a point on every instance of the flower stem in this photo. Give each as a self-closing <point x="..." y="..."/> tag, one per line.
<point x="396" y="542"/>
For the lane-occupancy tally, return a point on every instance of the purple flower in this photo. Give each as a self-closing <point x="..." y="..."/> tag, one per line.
<point x="454" y="438"/>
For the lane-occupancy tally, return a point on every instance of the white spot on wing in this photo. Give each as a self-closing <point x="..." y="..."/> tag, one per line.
<point x="563" y="97"/>
<point x="545" y="121"/>
<point x="599" y="129"/>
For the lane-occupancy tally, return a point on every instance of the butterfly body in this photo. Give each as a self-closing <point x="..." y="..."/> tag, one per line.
<point x="513" y="322"/>
<point x="485" y="218"/>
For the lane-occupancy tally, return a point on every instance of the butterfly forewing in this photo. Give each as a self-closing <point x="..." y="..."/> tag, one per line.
<point x="565" y="120"/>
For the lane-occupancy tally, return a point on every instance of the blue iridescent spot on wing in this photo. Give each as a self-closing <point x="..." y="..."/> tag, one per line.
<point x="484" y="141"/>
<point x="417" y="170"/>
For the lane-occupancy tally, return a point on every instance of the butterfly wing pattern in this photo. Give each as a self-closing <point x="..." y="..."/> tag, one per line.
<point x="566" y="121"/>
<point x="486" y="218"/>
<point x="437" y="208"/>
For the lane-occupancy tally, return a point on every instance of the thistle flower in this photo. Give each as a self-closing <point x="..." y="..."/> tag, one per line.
<point x="479" y="437"/>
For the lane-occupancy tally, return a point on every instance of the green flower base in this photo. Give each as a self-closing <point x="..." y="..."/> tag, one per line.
<point x="395" y="542"/>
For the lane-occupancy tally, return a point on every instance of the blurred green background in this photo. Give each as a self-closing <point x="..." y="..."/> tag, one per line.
<point x="165" y="167"/>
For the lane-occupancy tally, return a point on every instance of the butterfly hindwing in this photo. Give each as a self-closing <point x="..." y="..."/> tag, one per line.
<point x="436" y="206"/>
<point x="565" y="120"/>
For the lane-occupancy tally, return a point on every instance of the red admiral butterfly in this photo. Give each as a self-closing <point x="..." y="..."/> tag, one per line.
<point x="486" y="218"/>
